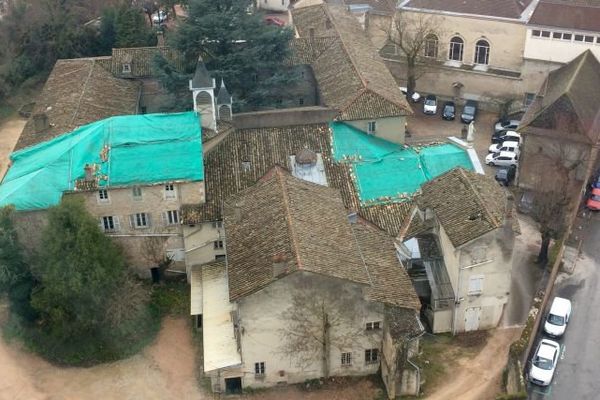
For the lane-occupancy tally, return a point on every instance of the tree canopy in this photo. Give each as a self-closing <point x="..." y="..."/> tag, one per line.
<point x="78" y="269"/>
<point x="239" y="47"/>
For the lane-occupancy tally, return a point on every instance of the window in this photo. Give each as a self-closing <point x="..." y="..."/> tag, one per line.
<point x="371" y="126"/>
<point x="217" y="224"/>
<point x="170" y="192"/>
<point x="588" y="39"/>
<point x="371" y="326"/>
<point x="301" y="101"/>
<point x="283" y="2"/>
<point x="126" y="68"/>
<point x="136" y="191"/>
<point x="140" y="220"/>
<point x="346" y="358"/>
<point x="456" y="49"/>
<point x="529" y="97"/>
<point x="327" y="24"/>
<point x="218" y="244"/>
<point x="536" y="33"/>
<point x="579" y="38"/>
<point x="567" y="36"/>
<point x="103" y="196"/>
<point x="220" y="257"/>
<point x="171" y="217"/>
<point x="110" y="224"/>
<point x="371" y="356"/>
<point x="431" y="46"/>
<point x="546" y="34"/>
<point x="556" y="35"/>
<point x="482" y="52"/>
<point x="259" y="368"/>
<point x="246" y="166"/>
<point x="475" y="284"/>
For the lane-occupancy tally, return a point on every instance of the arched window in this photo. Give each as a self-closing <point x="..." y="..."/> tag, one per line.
<point x="456" y="49"/>
<point x="482" y="52"/>
<point x="431" y="46"/>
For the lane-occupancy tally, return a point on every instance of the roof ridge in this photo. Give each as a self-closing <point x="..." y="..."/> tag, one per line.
<point x="482" y="203"/>
<point x="288" y="215"/>
<point x="353" y="99"/>
<point x="85" y="84"/>
<point x="580" y="64"/>
<point x="354" y="66"/>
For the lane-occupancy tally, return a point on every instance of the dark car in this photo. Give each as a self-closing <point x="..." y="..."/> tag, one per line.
<point x="449" y="111"/>
<point x="469" y="112"/>
<point x="506" y="175"/>
<point x="596" y="183"/>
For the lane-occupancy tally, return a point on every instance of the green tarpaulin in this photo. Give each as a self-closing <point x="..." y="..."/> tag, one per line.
<point x="386" y="171"/>
<point x="125" y="150"/>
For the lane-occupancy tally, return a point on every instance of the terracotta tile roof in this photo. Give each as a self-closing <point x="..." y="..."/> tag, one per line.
<point x="306" y="50"/>
<point x="402" y="322"/>
<point x="351" y="75"/>
<point x="285" y="219"/>
<point x="244" y="155"/>
<point x="466" y="204"/>
<point x="574" y="14"/>
<point x="390" y="283"/>
<point x="312" y="18"/>
<point x="493" y="8"/>
<point x="142" y="59"/>
<point x="76" y="93"/>
<point x="575" y="87"/>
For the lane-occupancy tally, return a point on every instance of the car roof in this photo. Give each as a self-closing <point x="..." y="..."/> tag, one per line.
<point x="509" y="143"/>
<point x="596" y="191"/>
<point x="559" y="305"/>
<point x="547" y="347"/>
<point x="507" y="154"/>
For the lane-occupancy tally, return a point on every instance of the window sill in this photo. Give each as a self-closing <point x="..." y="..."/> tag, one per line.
<point x="371" y="362"/>
<point x="259" y="377"/>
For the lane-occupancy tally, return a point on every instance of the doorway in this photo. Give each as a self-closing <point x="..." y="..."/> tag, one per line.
<point x="472" y="317"/>
<point x="233" y="385"/>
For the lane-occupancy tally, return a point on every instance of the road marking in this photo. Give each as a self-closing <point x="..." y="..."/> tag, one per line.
<point x="562" y="354"/>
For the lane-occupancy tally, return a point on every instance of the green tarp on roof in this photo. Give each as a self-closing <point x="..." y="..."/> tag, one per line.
<point x="386" y="171"/>
<point x="125" y="150"/>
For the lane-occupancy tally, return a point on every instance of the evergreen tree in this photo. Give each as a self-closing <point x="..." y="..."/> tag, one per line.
<point x="131" y="28"/>
<point x="238" y="47"/>
<point x="78" y="269"/>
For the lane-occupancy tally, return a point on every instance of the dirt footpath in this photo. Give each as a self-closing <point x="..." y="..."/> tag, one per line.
<point x="164" y="371"/>
<point x="479" y="378"/>
<point x="10" y="131"/>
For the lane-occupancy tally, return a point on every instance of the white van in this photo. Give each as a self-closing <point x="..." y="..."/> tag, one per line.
<point x="559" y="315"/>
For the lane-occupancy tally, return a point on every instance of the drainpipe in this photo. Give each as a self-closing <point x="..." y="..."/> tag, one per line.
<point x="456" y="302"/>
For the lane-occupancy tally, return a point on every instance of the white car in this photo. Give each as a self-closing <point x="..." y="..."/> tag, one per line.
<point x="159" y="17"/>
<point x="505" y="146"/>
<point x="544" y="362"/>
<point x="506" y="125"/>
<point x="416" y="97"/>
<point x="506" y="136"/>
<point x="430" y="105"/>
<point x="502" y="159"/>
<point x="558" y="317"/>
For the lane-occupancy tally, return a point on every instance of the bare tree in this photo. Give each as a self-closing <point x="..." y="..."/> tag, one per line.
<point x="555" y="195"/>
<point x="316" y="320"/>
<point x="154" y="252"/>
<point x="417" y="37"/>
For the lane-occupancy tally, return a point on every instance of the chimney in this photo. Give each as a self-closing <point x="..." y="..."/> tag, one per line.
<point x="89" y="172"/>
<point x="40" y="122"/>
<point x="353" y="217"/>
<point x="160" y="39"/>
<point x="279" y="264"/>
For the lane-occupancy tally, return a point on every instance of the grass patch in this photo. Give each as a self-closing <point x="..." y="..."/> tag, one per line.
<point x="439" y="354"/>
<point x="171" y="298"/>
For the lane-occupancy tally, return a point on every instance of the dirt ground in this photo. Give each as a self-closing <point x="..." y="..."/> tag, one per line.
<point x="478" y="377"/>
<point x="10" y="130"/>
<point x="164" y="371"/>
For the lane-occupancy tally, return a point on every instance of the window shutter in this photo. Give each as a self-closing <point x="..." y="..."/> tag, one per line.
<point x="165" y="218"/>
<point x="117" y="223"/>
<point x="132" y="220"/>
<point x="101" y="224"/>
<point x="148" y="220"/>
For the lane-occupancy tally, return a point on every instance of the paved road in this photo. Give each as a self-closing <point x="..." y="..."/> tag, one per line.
<point x="578" y="373"/>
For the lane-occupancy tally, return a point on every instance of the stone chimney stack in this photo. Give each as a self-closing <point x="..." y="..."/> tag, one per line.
<point x="279" y="264"/>
<point x="40" y="122"/>
<point x="89" y="172"/>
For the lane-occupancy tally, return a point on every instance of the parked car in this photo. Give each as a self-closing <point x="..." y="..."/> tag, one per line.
<point x="469" y="112"/>
<point x="430" y="105"/>
<point x="593" y="202"/>
<point x="415" y="98"/>
<point x="449" y="111"/>
<point x="502" y="159"/>
<point x="159" y="17"/>
<point x="558" y="317"/>
<point x="270" y="20"/>
<point x="544" y="362"/>
<point x="505" y="175"/>
<point x="506" y="136"/>
<point x="505" y="146"/>
<point x="595" y="182"/>
<point x="506" y="124"/>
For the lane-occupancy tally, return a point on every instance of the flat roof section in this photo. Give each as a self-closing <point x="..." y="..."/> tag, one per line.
<point x="220" y="346"/>
<point x="196" y="291"/>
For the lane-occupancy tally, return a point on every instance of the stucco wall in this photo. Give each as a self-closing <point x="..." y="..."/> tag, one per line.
<point x="557" y="50"/>
<point x="391" y="129"/>
<point x="273" y="5"/>
<point x="199" y="243"/>
<point x="264" y="316"/>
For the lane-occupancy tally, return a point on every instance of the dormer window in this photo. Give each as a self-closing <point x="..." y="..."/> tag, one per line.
<point x="245" y="166"/>
<point x="126" y="68"/>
